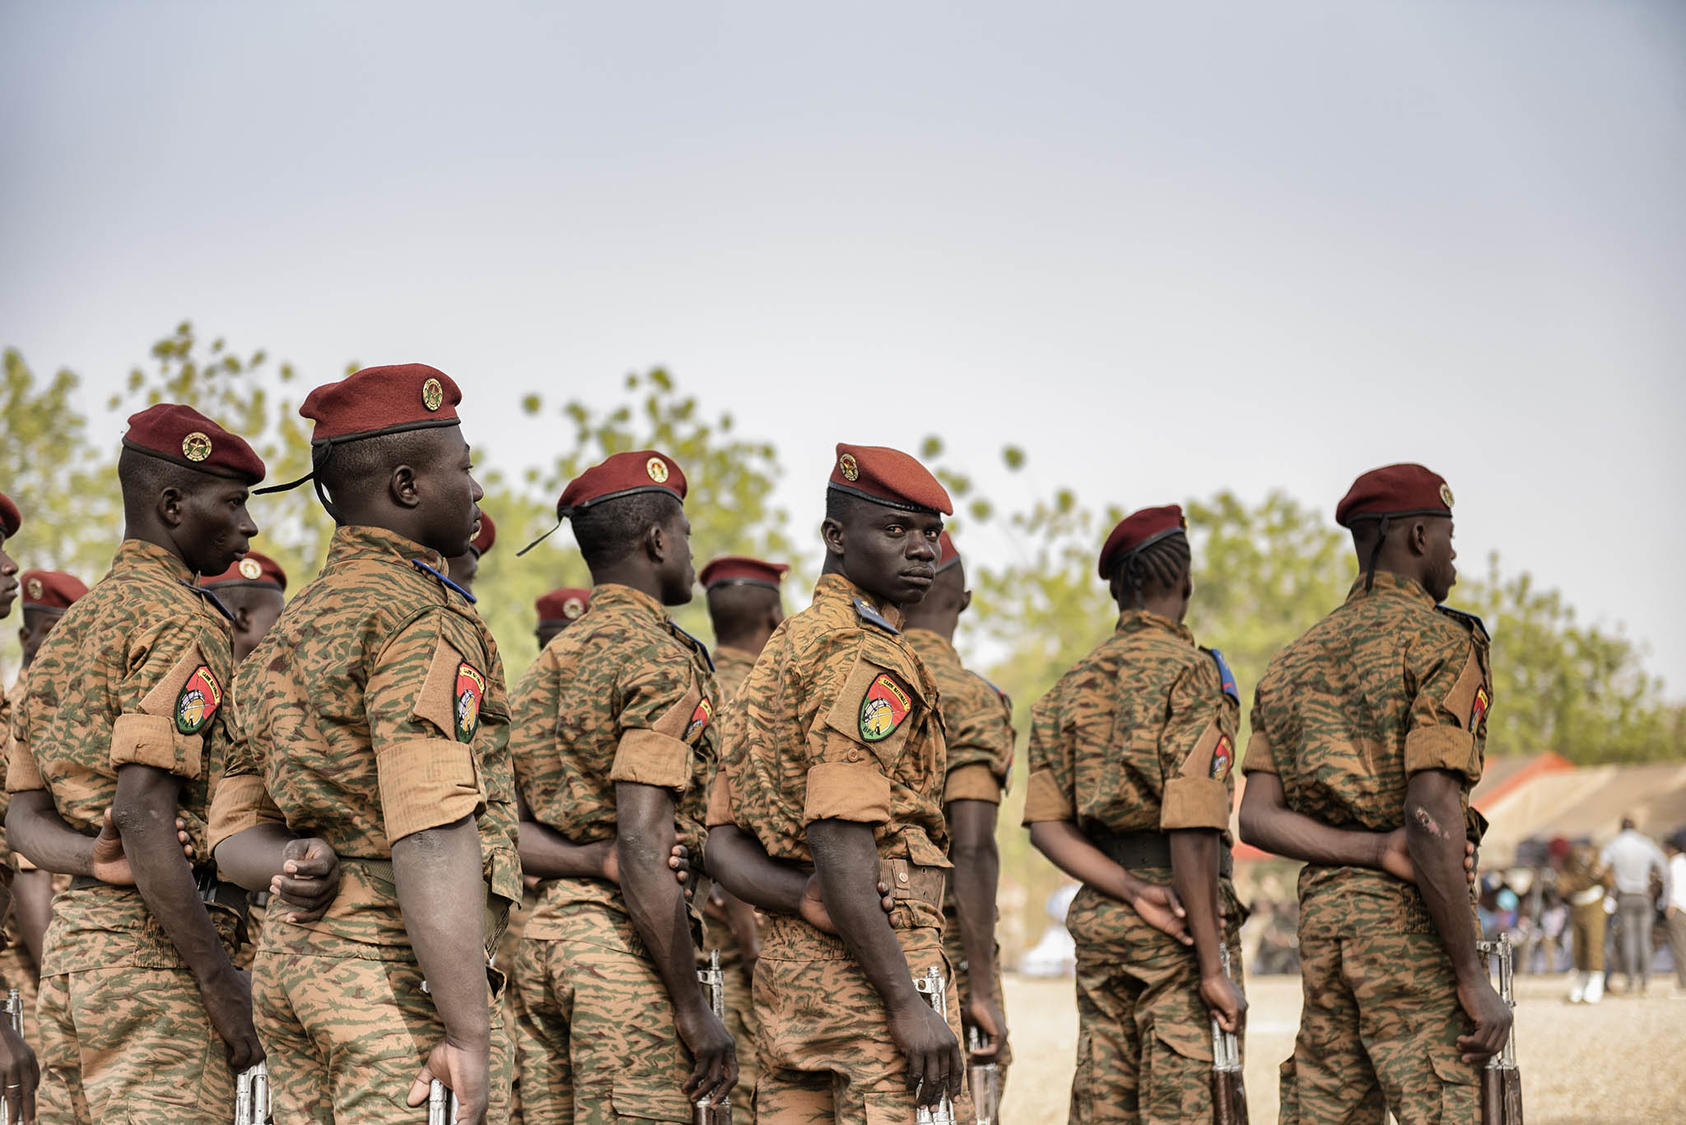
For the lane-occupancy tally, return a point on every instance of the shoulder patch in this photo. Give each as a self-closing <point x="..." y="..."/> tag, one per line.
<point x="441" y="579"/>
<point x="1225" y="676"/>
<point x="692" y="643"/>
<point x="198" y="700"/>
<point x="1467" y="620"/>
<point x="885" y="706"/>
<point x="700" y="719"/>
<point x="1223" y="756"/>
<point x="871" y="616"/>
<point x="469" y="691"/>
<point x="1478" y="709"/>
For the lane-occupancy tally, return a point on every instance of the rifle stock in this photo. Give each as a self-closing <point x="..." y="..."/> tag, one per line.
<point x="1229" y="1093"/>
<point x="1501" y="1081"/>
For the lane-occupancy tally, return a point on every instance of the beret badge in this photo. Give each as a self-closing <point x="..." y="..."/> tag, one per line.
<point x="196" y="446"/>
<point x="847" y="466"/>
<point x="433" y="395"/>
<point x="657" y="469"/>
<point x="34" y="589"/>
<point x="573" y="608"/>
<point x="1446" y="494"/>
<point x="250" y="570"/>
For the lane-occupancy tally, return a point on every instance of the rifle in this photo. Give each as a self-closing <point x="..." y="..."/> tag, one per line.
<point x="1501" y="1081"/>
<point x="441" y="1104"/>
<point x="14" y="1016"/>
<point x="985" y="1079"/>
<point x="1229" y="1096"/>
<point x="935" y="990"/>
<point x="713" y="981"/>
<point x="251" y="1096"/>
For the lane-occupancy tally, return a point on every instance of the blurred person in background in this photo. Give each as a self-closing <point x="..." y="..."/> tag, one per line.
<point x="1675" y="908"/>
<point x="1582" y="880"/>
<point x="1633" y="858"/>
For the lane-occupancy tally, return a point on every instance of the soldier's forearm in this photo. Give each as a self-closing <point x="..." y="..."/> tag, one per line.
<point x="442" y="892"/>
<point x="547" y="854"/>
<point x="1072" y="852"/>
<point x="1194" y="876"/>
<point x="252" y="857"/>
<point x="643" y="841"/>
<point x="32" y="899"/>
<point x="738" y="862"/>
<point x="35" y="829"/>
<point x="977" y="871"/>
<point x="1434" y="834"/>
<point x="846" y="861"/>
<point x="1268" y="823"/>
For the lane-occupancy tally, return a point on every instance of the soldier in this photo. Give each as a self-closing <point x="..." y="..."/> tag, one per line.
<point x="1130" y="790"/>
<point x="18" y="1069"/>
<point x="463" y="568"/>
<point x="1583" y="883"/>
<point x="1371" y="723"/>
<point x="978" y="719"/>
<point x="369" y="784"/>
<point x="744" y="606"/>
<point x="123" y="710"/>
<point x="614" y="737"/>
<point x="254" y="591"/>
<point x="559" y="609"/>
<point x="838" y="763"/>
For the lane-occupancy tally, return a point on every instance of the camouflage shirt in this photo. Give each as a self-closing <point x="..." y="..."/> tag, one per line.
<point x="1386" y="686"/>
<point x="731" y="669"/>
<point x="374" y="709"/>
<point x="623" y="694"/>
<point x="977" y="722"/>
<point x="838" y="720"/>
<point x="1138" y="737"/>
<point x="135" y="673"/>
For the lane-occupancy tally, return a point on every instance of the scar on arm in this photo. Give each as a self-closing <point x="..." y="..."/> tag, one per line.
<point x="1427" y="823"/>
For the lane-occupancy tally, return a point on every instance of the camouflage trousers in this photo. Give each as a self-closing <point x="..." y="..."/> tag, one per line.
<point x="1144" y="1040"/>
<point x="509" y="948"/>
<point x="345" y="1038"/>
<point x="132" y="1044"/>
<point x="825" y="1049"/>
<point x="1380" y="1022"/>
<point x="596" y="1041"/>
<point x="18" y="971"/>
<point x="741" y="1019"/>
<point x="962" y="976"/>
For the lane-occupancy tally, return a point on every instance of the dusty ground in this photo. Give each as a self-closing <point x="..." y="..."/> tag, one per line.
<point x="1618" y="1063"/>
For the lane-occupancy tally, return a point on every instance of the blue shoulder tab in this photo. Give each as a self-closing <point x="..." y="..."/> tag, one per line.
<point x="872" y="617"/>
<point x="1005" y="698"/>
<point x="673" y="627"/>
<point x="1225" y="676"/>
<point x="1467" y="620"/>
<point x="211" y="597"/>
<point x="443" y="581"/>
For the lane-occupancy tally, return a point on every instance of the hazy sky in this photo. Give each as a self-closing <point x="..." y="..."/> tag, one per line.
<point x="1167" y="248"/>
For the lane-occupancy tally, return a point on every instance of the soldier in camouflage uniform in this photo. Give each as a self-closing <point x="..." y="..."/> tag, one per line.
<point x="369" y="784"/>
<point x="837" y="763"/>
<point x="744" y="606"/>
<point x="1366" y="730"/>
<point x="978" y="719"/>
<point x="18" y="1073"/>
<point x="1130" y="790"/>
<point x="124" y="710"/>
<point x="1583" y="883"/>
<point x="614" y="736"/>
<point x="557" y="610"/>
<point x="464" y="568"/>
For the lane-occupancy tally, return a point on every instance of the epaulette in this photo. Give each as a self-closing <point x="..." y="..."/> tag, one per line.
<point x="1225" y="676"/>
<point x="1467" y="620"/>
<point x="1006" y="699"/>
<point x="673" y="627"/>
<point x="871" y="616"/>
<point x="443" y="581"/>
<point x="211" y="597"/>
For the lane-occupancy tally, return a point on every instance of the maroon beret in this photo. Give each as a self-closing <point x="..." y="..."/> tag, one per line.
<point x="382" y="400"/>
<point x="1138" y="530"/>
<point x="180" y="434"/>
<point x="890" y="477"/>
<point x="253" y="570"/>
<point x="740" y="570"/>
<point x="562" y="606"/>
<point x="10" y="518"/>
<point x="1395" y="490"/>
<point x="623" y="474"/>
<point x="947" y="555"/>
<point x="53" y="591"/>
<point x="485" y="536"/>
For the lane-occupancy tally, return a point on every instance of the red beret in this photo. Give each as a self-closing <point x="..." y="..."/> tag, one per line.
<point x="1395" y="490"/>
<point x="51" y="590"/>
<point x="623" y="474"/>
<point x="1138" y="530"/>
<point x="182" y="435"/>
<point x="562" y="606"/>
<point x="947" y="555"/>
<point x="10" y="518"/>
<point x="486" y="536"/>
<point x="382" y="400"/>
<point x="253" y="570"/>
<point x="888" y="476"/>
<point x="740" y="570"/>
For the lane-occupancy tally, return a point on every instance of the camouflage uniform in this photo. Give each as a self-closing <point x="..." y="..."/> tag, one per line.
<point x="1138" y="739"/>
<point x="374" y="709"/>
<point x="1583" y="885"/>
<point x="1386" y="686"/>
<point x="623" y="694"/>
<point x="978" y="721"/>
<point x="134" y="673"/>
<point x="839" y="720"/>
<point x="17" y="969"/>
<point x="731" y="669"/>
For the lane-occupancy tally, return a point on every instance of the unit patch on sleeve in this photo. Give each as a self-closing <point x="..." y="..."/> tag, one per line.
<point x="1478" y="710"/>
<point x="198" y="700"/>
<point x="1223" y="756"/>
<point x="699" y="720"/>
<point x="470" y="690"/>
<point x="884" y="707"/>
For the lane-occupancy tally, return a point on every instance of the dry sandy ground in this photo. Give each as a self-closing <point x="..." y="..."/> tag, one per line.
<point x="1619" y="1063"/>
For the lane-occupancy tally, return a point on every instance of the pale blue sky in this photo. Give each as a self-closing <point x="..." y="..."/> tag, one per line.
<point x="1167" y="248"/>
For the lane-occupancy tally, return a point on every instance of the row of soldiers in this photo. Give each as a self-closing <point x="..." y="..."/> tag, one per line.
<point x="818" y="797"/>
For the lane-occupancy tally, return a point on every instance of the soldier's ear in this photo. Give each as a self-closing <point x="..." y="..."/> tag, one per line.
<point x="401" y="486"/>
<point x="169" y="506"/>
<point x="831" y="534"/>
<point x="965" y="600"/>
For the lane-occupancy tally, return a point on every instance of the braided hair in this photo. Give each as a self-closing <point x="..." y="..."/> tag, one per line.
<point x="1159" y="565"/>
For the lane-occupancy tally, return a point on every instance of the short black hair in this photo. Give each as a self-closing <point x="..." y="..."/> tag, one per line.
<point x="349" y="467"/>
<point x="737" y="609"/>
<point x="610" y="530"/>
<point x="143" y="477"/>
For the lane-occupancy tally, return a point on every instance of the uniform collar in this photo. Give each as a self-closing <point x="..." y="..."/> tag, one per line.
<point x="726" y="654"/>
<point x="140" y="555"/>
<point x="362" y="542"/>
<point x="1139" y="620"/>
<point x="836" y="588"/>
<point x="613" y="593"/>
<point x="1387" y="582"/>
<point x="922" y="636"/>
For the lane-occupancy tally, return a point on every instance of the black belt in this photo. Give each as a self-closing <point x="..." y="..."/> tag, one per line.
<point x="1134" y="850"/>
<point x="210" y="888"/>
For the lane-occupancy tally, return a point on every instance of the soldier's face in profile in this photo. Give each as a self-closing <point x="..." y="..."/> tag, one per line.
<point x="8" y="578"/>
<point x="450" y="496"/>
<point x="679" y="572"/>
<point x="215" y="527"/>
<point x="891" y="554"/>
<point x="1442" y="572"/>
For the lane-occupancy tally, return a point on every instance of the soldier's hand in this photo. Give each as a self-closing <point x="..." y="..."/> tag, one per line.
<point x="227" y="997"/>
<point x="1492" y="1018"/>
<point x="309" y="879"/>
<point x="1396" y="858"/>
<point x="934" y="1066"/>
<point x="462" y="1069"/>
<point x="1224" y="1001"/>
<point x="985" y="1014"/>
<point x="678" y="862"/>
<point x="110" y="864"/>
<point x="19" y="1075"/>
<point x="1159" y="907"/>
<point x="812" y="909"/>
<point x="714" y="1058"/>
